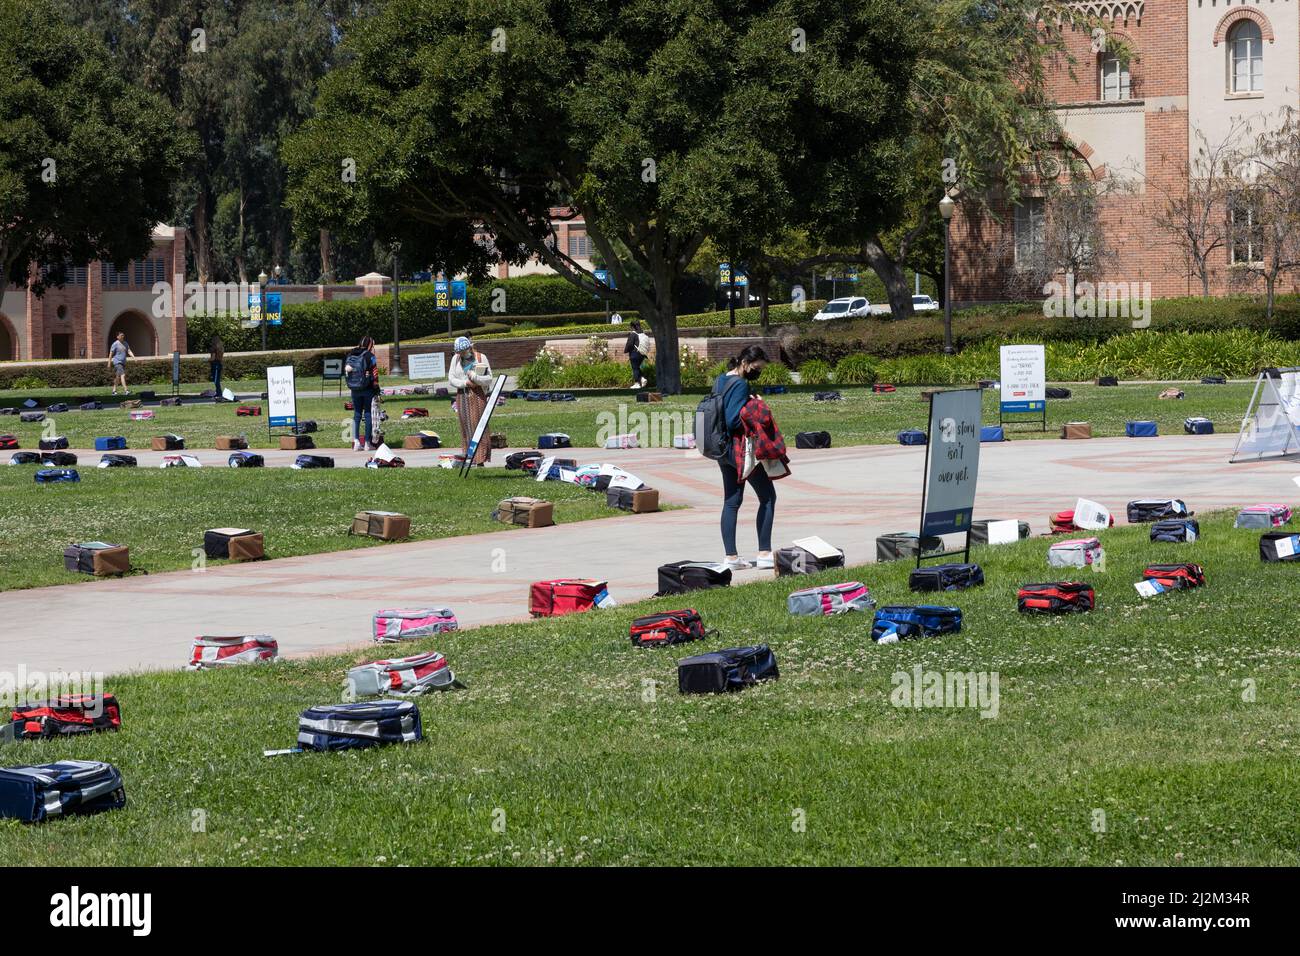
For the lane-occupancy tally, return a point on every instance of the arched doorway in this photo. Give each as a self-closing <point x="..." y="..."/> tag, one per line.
<point x="140" y="334"/>
<point x="8" y="341"/>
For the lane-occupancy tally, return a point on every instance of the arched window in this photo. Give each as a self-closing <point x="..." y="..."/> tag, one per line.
<point x="1245" y="57"/>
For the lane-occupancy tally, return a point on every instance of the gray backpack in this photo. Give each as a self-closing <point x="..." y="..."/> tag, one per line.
<point x="712" y="437"/>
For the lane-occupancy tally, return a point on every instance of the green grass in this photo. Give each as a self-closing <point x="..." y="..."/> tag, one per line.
<point x="861" y="418"/>
<point x="161" y="514"/>
<point x="1137" y="710"/>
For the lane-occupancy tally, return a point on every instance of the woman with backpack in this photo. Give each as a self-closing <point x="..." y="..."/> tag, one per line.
<point x="756" y="456"/>
<point x="637" y="349"/>
<point x="361" y="372"/>
<point x="471" y="376"/>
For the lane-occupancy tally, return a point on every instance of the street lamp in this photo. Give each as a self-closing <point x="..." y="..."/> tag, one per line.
<point x="946" y="209"/>
<point x="261" y="292"/>
<point x="278" y="272"/>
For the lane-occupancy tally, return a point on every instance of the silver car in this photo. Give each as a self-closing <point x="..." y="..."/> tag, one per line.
<point x="853" y="307"/>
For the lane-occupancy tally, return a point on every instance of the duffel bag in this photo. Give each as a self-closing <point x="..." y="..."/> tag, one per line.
<point x="1061" y="597"/>
<point x="64" y="788"/>
<point x="831" y="599"/>
<point x="1175" y="577"/>
<point x="25" y="458"/>
<point x="403" y="676"/>
<point x="392" y="625"/>
<point x="667" y="627"/>
<point x="567" y="596"/>
<point x="57" y="443"/>
<point x="678" y="577"/>
<point x="734" y="668"/>
<point x="897" y="622"/>
<point x="246" y="459"/>
<point x="357" y="725"/>
<point x="946" y="577"/>
<point x="64" y="716"/>
<point x="1198" y="426"/>
<point x="110" y="443"/>
<point x="1279" y="546"/>
<point x="313" y="461"/>
<point x="906" y="544"/>
<point x="117" y="461"/>
<point x="48" y="476"/>
<point x="1075" y="553"/>
<point x="911" y="436"/>
<point x="989" y="433"/>
<point x="1141" y="429"/>
<point x="1144" y="510"/>
<point x="58" y="459"/>
<point x="797" y="560"/>
<point x="812" y="440"/>
<point x="515" y="461"/>
<point x="1176" y="530"/>
<point x="979" y="530"/>
<point x="209" y="652"/>
<point x="1263" y="516"/>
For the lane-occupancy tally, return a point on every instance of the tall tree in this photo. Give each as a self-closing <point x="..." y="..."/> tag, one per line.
<point x="87" y="160"/>
<point x="662" y="123"/>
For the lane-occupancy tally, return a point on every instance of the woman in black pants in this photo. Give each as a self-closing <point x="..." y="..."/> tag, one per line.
<point x="733" y="385"/>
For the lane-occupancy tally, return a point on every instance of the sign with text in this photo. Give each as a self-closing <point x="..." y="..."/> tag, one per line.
<point x="605" y="278"/>
<point x="281" y="397"/>
<point x="430" y="366"/>
<point x="442" y="294"/>
<point x="1024" y="379"/>
<point x="954" y="453"/>
<point x="273" y="314"/>
<point x="459" y="297"/>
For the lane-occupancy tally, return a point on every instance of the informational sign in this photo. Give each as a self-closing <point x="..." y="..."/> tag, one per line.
<point x="605" y="278"/>
<point x="428" y="366"/>
<point x="1024" y="379"/>
<point x="1004" y="532"/>
<point x="724" y="273"/>
<point x="482" y="429"/>
<point x="272" y="308"/>
<point x="281" y="397"/>
<point x="954" y="459"/>
<point x="442" y="294"/>
<point x="176" y="370"/>
<point x="459" y="297"/>
<point x="1271" y="428"/>
<point x="1091" y="515"/>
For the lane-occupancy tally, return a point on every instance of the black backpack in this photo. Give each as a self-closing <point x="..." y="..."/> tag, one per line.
<point x="313" y="461"/>
<point x="117" y="461"/>
<point x="826" y="396"/>
<point x="796" y="560"/>
<point x="1055" y="391"/>
<point x="734" y="668"/>
<point x="946" y="577"/>
<point x="812" y="440"/>
<point x="682" y="576"/>
<point x="712" y="437"/>
<point x="1176" y="530"/>
<point x="360" y="363"/>
<point x="515" y="461"/>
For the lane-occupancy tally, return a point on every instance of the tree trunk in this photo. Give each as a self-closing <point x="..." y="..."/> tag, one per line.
<point x="202" y="236"/>
<point x="240" y="266"/>
<point x="1270" y="282"/>
<point x="891" y="274"/>
<point x="668" y="371"/>
<point x="762" y="304"/>
<point x="1204" y="268"/>
<point x="326" y="258"/>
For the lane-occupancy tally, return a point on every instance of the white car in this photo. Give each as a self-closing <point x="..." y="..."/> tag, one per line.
<point x="851" y="308"/>
<point x="923" y="303"/>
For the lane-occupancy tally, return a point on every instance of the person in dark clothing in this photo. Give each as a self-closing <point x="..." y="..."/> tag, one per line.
<point x="361" y="371"/>
<point x="216" y="358"/>
<point x="734" y="386"/>
<point x="636" y="349"/>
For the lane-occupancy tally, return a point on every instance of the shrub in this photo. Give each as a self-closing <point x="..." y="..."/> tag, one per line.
<point x="815" y="372"/>
<point x="542" y="371"/>
<point x="695" y="371"/>
<point x="774" y="373"/>
<point x="856" y="369"/>
<point x="28" y="382"/>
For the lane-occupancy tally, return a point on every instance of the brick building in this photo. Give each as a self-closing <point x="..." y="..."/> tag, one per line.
<point x="1195" y="67"/>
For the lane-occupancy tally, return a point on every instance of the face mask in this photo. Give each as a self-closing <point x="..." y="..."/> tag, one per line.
<point x="753" y="374"/>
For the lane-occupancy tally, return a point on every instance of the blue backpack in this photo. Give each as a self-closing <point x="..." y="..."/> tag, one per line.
<point x="362" y="364"/>
<point x="359" y="725"/>
<point x="906" y="622"/>
<point x="50" y="475"/>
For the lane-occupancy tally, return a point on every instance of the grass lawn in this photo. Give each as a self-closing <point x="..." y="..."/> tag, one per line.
<point x="1138" y="710"/>
<point x="161" y="514"/>
<point x="861" y="418"/>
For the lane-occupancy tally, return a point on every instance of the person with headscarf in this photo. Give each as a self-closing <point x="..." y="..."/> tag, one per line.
<point x="471" y="376"/>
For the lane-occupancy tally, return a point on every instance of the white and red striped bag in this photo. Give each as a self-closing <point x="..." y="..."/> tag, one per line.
<point x="402" y="676"/>
<point x="410" y="624"/>
<point x="623" y="441"/>
<point x="209" y="652"/>
<point x="831" y="599"/>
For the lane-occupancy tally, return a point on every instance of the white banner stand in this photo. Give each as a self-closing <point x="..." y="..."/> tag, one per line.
<point x="1271" y="428"/>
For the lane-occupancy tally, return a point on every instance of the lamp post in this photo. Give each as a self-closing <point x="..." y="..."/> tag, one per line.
<point x="261" y="291"/>
<point x="946" y="209"/>
<point x="397" y="339"/>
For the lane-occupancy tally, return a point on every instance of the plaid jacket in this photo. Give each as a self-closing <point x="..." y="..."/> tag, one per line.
<point x="757" y="423"/>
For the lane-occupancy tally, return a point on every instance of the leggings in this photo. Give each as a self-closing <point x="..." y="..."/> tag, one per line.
<point x="733" y="493"/>
<point x="361" y="400"/>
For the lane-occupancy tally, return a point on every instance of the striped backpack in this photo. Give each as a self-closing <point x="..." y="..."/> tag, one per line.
<point x="831" y="599"/>
<point x="65" y="788"/>
<point x="408" y="624"/>
<point x="210" y="652"/>
<point x="402" y="676"/>
<point x="357" y="725"/>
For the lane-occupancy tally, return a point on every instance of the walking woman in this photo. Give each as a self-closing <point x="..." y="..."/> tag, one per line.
<point x="636" y="348"/>
<point x="471" y="377"/>
<point x="757" y="456"/>
<point x="361" y="372"/>
<point x="216" y="356"/>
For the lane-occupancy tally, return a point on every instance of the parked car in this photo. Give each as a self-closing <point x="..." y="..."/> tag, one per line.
<point x="855" y="307"/>
<point x="923" y="303"/>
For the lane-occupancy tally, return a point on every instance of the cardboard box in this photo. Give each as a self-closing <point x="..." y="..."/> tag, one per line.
<point x="231" y="443"/>
<point x="384" y="525"/>
<point x="1074" y="430"/>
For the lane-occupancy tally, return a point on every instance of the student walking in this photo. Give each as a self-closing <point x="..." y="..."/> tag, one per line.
<point x="757" y="456"/>
<point x="118" y="353"/>
<point x="216" y="357"/>
<point x="361" y="372"/>
<point x="637" y="349"/>
<point x="471" y="376"/>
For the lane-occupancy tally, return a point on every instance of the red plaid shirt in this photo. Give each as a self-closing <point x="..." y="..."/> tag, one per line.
<point x="757" y="423"/>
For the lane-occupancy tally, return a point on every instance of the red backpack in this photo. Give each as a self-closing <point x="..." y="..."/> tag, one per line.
<point x="75" y="714"/>
<point x="1063" y="522"/>
<point x="1175" y="577"/>
<point x="667" y="627"/>
<point x="1061" y="597"/>
<point x="566" y="596"/>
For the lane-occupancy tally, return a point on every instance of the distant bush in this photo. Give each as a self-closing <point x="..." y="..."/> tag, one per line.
<point x="26" y="382"/>
<point x="814" y="372"/>
<point x="855" y="370"/>
<point x="774" y="373"/>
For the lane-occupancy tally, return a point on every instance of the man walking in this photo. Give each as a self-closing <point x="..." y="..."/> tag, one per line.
<point x="118" y="353"/>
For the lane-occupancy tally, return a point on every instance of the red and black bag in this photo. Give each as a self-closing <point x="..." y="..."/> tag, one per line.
<point x="8" y="442"/>
<point x="75" y="714"/>
<point x="415" y="413"/>
<point x="1175" y="577"/>
<point x="883" y="387"/>
<point x="667" y="627"/>
<point x="247" y="411"/>
<point x="1061" y="597"/>
<point x="565" y="596"/>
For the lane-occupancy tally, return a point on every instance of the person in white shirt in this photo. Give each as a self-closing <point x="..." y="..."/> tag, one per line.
<point x="471" y="376"/>
<point x="637" y="350"/>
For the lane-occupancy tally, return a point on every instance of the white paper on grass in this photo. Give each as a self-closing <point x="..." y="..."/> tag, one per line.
<point x="384" y="453"/>
<point x="624" y="480"/>
<point x="1285" y="547"/>
<point x="1296" y="479"/>
<point x="1091" y="515"/>
<point x="1004" y="532"/>
<point x="227" y="394"/>
<point x="544" y="468"/>
<point x="1148" y="588"/>
<point x="611" y="470"/>
<point x="818" y="547"/>
<point x="569" y="475"/>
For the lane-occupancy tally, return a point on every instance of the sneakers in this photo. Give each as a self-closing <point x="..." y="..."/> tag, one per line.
<point x="763" y="563"/>
<point x="735" y="564"/>
<point x="357" y="446"/>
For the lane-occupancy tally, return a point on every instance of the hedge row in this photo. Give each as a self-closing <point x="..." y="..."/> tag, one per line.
<point x="777" y="315"/>
<point x="155" y="372"/>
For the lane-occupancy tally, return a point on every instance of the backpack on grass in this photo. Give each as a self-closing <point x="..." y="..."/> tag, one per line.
<point x="209" y="652"/>
<point x="64" y="788"/>
<point x="897" y="622"/>
<point x="393" y="625"/>
<point x="118" y="461"/>
<point x="1176" y="530"/>
<point x="49" y="476"/>
<point x="1263" y="516"/>
<point x="97" y="558"/>
<point x="110" y="443"/>
<point x="1062" y="597"/>
<point x="678" y="577"/>
<point x="1279" y="546"/>
<point x="667" y="627"/>
<point x="403" y="676"/>
<point x="312" y="461"/>
<point x="830" y="599"/>
<point x="1075" y="553"/>
<point x="946" y="577"/>
<point x="65" y="716"/>
<point x="567" y="596"/>
<point x="734" y="668"/>
<point x="1175" y="577"/>
<point x="359" y="725"/>
<point x="246" y="459"/>
<point x="1154" y="509"/>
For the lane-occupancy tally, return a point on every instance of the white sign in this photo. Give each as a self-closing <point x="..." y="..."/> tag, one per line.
<point x="544" y="468"/>
<point x="1024" y="374"/>
<point x="282" y="396"/>
<point x="1149" y="588"/>
<point x="954" y="452"/>
<point x="429" y="366"/>
<point x="1004" y="532"/>
<point x="1271" y="427"/>
<point x="624" y="480"/>
<point x="1090" y="515"/>
<point x="817" y="547"/>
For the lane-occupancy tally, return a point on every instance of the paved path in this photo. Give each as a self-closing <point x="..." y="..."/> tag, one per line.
<point x="849" y="496"/>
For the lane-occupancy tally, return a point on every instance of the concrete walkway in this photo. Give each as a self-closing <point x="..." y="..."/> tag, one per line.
<point x="324" y="602"/>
